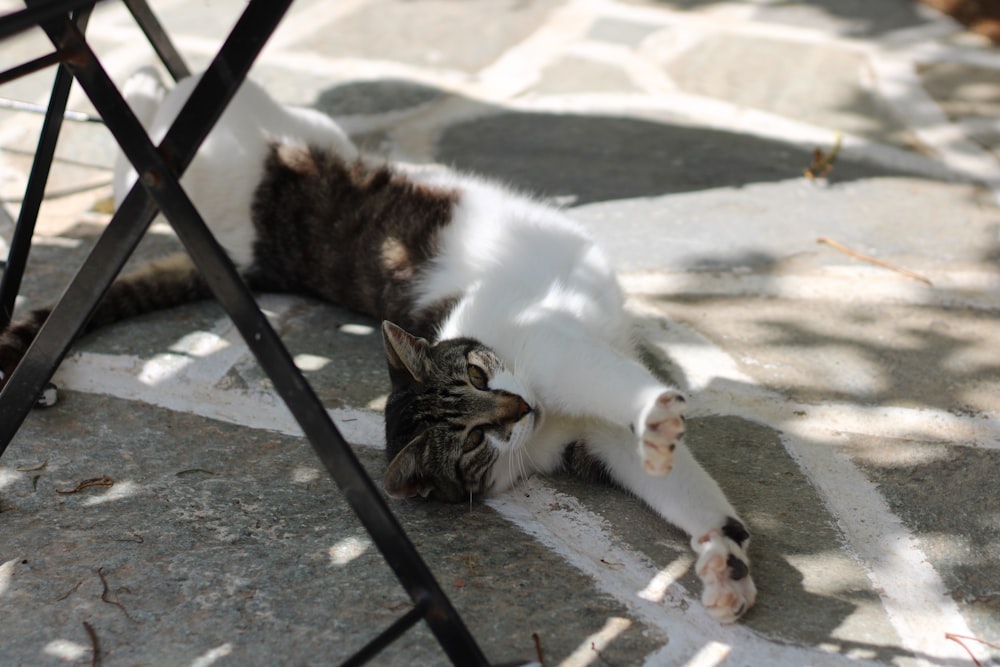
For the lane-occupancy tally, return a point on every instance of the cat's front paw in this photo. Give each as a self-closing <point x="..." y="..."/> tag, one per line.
<point x="662" y="430"/>
<point x="725" y="573"/>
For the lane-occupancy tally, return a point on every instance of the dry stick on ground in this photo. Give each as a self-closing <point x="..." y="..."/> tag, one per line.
<point x="857" y="255"/>
<point x="69" y="592"/>
<point x="95" y="658"/>
<point x="104" y="596"/>
<point x="96" y="481"/>
<point x="958" y="640"/>
<point x="538" y="647"/>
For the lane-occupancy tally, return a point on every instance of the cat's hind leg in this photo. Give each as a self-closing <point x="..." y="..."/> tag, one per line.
<point x="723" y="568"/>
<point x="691" y="500"/>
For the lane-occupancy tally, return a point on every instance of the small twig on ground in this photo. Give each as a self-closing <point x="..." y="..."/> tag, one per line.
<point x="69" y="592"/>
<point x="95" y="658"/>
<point x="958" y="640"/>
<point x="193" y="470"/>
<point x="96" y="481"/>
<point x="40" y="466"/>
<point x="538" y="647"/>
<point x="822" y="163"/>
<point x="600" y="656"/>
<point x="104" y="596"/>
<point x="866" y="258"/>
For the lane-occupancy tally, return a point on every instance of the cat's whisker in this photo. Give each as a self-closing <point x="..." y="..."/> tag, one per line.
<point x="526" y="453"/>
<point x="511" y="469"/>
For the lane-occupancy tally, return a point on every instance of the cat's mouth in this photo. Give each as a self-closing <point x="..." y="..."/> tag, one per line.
<point x="536" y="415"/>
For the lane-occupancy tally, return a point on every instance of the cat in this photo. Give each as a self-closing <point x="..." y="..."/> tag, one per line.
<point x="506" y="339"/>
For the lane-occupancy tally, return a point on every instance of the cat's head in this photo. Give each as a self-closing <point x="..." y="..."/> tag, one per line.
<point x="453" y="410"/>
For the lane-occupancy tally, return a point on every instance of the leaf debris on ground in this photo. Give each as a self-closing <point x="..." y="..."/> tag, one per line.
<point x="822" y="163"/>
<point x="87" y="483"/>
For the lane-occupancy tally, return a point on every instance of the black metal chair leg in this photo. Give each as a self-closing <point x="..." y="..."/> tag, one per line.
<point x="20" y="244"/>
<point x="154" y="32"/>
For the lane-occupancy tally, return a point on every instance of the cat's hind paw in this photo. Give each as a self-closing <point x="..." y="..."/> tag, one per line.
<point x="662" y="430"/>
<point x="724" y="571"/>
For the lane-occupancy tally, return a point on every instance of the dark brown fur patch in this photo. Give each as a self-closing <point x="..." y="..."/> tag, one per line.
<point x="14" y="342"/>
<point x="353" y="234"/>
<point x="584" y="465"/>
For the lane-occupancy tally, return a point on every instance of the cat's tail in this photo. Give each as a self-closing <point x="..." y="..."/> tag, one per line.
<point x="161" y="284"/>
<point x="144" y="91"/>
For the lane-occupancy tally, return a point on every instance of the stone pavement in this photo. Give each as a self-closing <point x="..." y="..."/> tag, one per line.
<point x="850" y="411"/>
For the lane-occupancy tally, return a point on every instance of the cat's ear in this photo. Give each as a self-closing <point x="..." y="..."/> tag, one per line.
<point x="404" y="477"/>
<point x="407" y="354"/>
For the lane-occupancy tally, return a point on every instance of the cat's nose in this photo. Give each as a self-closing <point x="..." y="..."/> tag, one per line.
<point x="511" y="407"/>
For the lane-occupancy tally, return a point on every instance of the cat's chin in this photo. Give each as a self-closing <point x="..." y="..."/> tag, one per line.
<point x="522" y="432"/>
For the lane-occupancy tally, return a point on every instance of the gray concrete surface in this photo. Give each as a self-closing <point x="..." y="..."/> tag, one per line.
<point x="850" y="411"/>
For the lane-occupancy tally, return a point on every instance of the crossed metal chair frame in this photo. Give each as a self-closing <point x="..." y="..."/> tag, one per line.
<point x="159" y="168"/>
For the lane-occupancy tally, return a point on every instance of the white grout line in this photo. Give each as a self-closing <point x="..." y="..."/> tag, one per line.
<point x="912" y="593"/>
<point x="127" y="377"/>
<point x="521" y="66"/>
<point x="299" y="26"/>
<point x="731" y="19"/>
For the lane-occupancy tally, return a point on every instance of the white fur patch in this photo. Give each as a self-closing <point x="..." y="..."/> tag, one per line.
<point x="224" y="175"/>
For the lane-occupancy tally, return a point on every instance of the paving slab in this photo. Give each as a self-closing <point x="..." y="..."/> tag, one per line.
<point x="781" y="77"/>
<point x="445" y="35"/>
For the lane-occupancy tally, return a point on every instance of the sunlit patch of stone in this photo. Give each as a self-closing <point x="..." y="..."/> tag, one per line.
<point x="347" y="550"/>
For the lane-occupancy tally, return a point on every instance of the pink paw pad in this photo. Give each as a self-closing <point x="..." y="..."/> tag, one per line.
<point x="723" y="568"/>
<point x="663" y="429"/>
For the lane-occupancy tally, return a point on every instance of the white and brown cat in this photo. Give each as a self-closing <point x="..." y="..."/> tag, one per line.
<point x="508" y="347"/>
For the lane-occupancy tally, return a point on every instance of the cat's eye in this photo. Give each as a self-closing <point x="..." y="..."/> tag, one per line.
<point x="475" y="438"/>
<point x="477" y="376"/>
